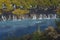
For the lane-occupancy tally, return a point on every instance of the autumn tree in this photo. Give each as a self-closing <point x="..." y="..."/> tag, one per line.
<point x="19" y="12"/>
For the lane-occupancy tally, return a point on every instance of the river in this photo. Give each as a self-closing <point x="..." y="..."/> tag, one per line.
<point x="23" y="27"/>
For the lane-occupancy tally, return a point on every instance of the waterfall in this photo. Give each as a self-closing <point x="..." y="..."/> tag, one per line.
<point x="9" y="17"/>
<point x="19" y="18"/>
<point x="34" y="17"/>
<point x="23" y="17"/>
<point x="55" y="16"/>
<point x="14" y="18"/>
<point x="3" y="18"/>
<point x="40" y="17"/>
<point x="48" y="17"/>
<point x="44" y="16"/>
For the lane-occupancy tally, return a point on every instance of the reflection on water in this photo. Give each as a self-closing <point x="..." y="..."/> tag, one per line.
<point x="19" y="28"/>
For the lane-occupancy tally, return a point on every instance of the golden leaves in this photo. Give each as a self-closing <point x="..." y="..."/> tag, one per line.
<point x="7" y="2"/>
<point x="20" y="12"/>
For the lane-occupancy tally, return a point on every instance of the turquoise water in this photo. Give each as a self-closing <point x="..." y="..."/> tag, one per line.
<point x="20" y="28"/>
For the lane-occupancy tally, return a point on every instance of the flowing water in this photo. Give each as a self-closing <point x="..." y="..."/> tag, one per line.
<point x="20" y="28"/>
